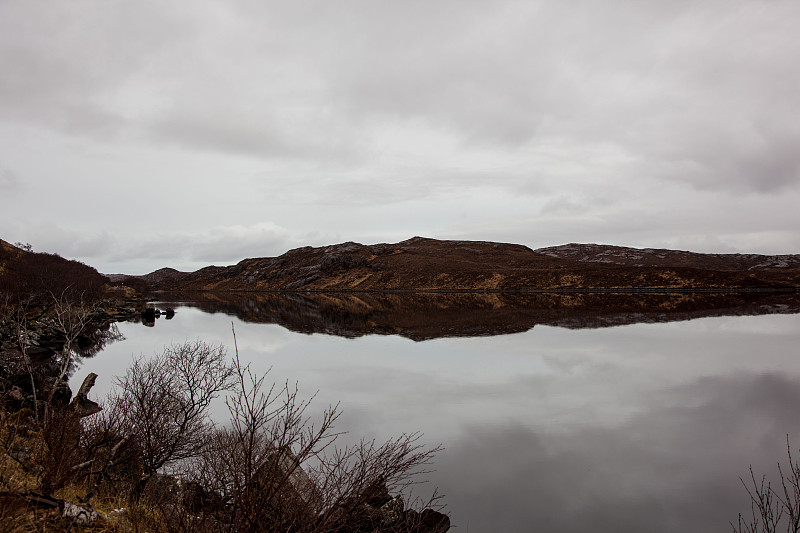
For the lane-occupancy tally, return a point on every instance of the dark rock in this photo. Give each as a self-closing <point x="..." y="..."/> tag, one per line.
<point x="335" y="262"/>
<point x="150" y="314"/>
<point x="149" y="317"/>
<point x="392" y="512"/>
<point x="15" y="394"/>
<point x="87" y="408"/>
<point x="377" y="494"/>
<point x="376" y="510"/>
<point x="428" y="521"/>
<point x="59" y="388"/>
<point x="433" y="522"/>
<point x="196" y="499"/>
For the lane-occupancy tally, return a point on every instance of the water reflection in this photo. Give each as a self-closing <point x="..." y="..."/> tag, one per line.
<point x="94" y="341"/>
<point x="639" y="428"/>
<point x="671" y="468"/>
<point x="424" y="316"/>
<point x="87" y="345"/>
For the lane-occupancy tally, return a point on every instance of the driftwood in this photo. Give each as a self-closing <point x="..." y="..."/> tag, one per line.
<point x="21" y="502"/>
<point x="81" y="404"/>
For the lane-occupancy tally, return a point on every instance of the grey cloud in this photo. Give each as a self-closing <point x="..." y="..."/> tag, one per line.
<point x="770" y="162"/>
<point x="564" y="205"/>
<point x="338" y="185"/>
<point x="363" y="105"/>
<point x="236" y="243"/>
<point x="184" y="250"/>
<point x="8" y="180"/>
<point x="219" y="245"/>
<point x="64" y="59"/>
<point x="663" y="217"/>
<point x="734" y="153"/>
<point x="223" y="133"/>
<point x="592" y="74"/>
<point x="272" y="80"/>
<point x="65" y="241"/>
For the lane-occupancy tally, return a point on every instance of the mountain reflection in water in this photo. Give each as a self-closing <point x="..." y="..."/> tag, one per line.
<point x="424" y="316"/>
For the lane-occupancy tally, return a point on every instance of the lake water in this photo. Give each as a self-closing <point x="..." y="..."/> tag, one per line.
<point x="643" y="427"/>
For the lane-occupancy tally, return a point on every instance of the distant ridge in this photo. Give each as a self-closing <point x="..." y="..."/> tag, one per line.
<point x="423" y="264"/>
<point x="657" y="257"/>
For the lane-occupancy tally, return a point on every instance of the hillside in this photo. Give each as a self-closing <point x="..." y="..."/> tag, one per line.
<point x="421" y="264"/>
<point x="653" y="257"/>
<point x="8" y="252"/>
<point x="25" y="274"/>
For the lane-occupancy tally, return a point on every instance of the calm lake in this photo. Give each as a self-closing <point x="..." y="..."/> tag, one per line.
<point x="640" y="427"/>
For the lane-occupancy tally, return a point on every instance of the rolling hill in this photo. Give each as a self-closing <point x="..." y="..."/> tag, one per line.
<point x="422" y="264"/>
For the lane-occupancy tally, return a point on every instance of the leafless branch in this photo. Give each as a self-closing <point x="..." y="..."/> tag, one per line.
<point x="773" y="510"/>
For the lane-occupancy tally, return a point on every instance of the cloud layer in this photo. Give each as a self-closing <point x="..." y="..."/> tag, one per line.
<point x="364" y="121"/>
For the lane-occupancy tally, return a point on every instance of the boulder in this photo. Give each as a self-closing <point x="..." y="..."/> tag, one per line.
<point x="428" y="521"/>
<point x="16" y="394"/>
<point x="433" y="522"/>
<point x="80" y="515"/>
<point x="59" y="388"/>
<point x="392" y="512"/>
<point x="196" y="499"/>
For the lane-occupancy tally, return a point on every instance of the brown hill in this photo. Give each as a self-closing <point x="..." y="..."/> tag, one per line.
<point x="8" y="251"/>
<point x="25" y="275"/>
<point x="653" y="257"/>
<point x="421" y="264"/>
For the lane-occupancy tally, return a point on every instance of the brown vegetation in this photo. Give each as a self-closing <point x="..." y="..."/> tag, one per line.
<point x="420" y="264"/>
<point x="26" y="275"/>
<point x="155" y="451"/>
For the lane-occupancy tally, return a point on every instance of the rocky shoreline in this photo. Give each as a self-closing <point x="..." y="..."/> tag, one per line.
<point x="33" y="364"/>
<point x="44" y="341"/>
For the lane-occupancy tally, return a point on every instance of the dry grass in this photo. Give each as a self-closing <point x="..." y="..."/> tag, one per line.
<point x="271" y="466"/>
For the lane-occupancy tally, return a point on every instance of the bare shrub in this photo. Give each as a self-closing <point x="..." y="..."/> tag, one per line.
<point x="163" y="403"/>
<point x="773" y="508"/>
<point x="72" y="315"/>
<point x="357" y="482"/>
<point x="273" y="469"/>
<point x="58" y="453"/>
<point x="116" y="461"/>
<point x="254" y="462"/>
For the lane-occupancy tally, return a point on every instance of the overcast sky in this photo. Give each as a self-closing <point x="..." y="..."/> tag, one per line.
<point x="141" y="134"/>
